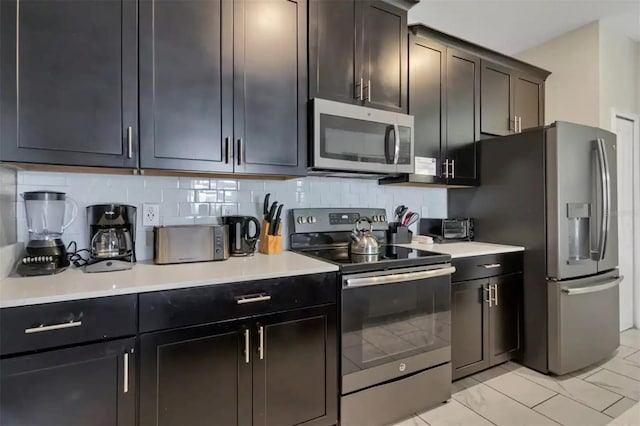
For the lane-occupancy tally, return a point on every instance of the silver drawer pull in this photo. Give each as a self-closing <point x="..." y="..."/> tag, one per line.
<point x="252" y="299"/>
<point x="491" y="265"/>
<point x="126" y="373"/>
<point x="42" y="328"/>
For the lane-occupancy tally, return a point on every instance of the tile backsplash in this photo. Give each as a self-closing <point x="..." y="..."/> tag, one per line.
<point x="186" y="200"/>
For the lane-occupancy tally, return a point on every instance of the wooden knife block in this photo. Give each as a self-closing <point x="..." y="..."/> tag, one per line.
<point x="270" y="244"/>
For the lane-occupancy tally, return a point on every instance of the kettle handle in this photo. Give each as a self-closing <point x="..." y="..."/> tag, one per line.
<point x="74" y="212"/>
<point x="361" y="220"/>
<point x="257" y="223"/>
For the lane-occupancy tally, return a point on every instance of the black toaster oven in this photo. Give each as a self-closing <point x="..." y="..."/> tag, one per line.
<point x="447" y="230"/>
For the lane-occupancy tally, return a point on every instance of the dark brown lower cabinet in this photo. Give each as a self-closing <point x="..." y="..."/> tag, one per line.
<point x="82" y="385"/>
<point x="277" y="369"/>
<point x="486" y="323"/>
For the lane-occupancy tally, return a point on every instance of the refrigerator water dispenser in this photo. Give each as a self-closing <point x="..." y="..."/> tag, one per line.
<point x="578" y="215"/>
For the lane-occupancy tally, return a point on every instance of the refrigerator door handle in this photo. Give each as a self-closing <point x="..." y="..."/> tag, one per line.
<point x="604" y="195"/>
<point x="607" y="211"/>
<point x="592" y="288"/>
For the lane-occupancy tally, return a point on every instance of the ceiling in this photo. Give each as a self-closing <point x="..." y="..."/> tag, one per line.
<point x="511" y="26"/>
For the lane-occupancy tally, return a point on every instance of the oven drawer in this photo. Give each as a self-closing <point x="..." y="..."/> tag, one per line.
<point x="49" y="325"/>
<point x="199" y="305"/>
<point x="490" y="265"/>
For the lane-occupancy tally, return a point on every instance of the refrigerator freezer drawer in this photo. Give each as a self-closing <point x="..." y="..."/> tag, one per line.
<point x="583" y="321"/>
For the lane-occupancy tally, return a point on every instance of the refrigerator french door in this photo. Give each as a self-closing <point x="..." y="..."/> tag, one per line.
<point x="582" y="246"/>
<point x="581" y="202"/>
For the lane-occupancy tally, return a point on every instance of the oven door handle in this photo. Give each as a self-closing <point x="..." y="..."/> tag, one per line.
<point x="399" y="278"/>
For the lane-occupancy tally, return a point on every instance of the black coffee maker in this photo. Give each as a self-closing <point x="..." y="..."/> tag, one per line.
<point x="241" y="242"/>
<point x="112" y="237"/>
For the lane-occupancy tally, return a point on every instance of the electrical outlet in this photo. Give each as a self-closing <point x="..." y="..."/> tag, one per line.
<point x="150" y="215"/>
<point x="229" y="210"/>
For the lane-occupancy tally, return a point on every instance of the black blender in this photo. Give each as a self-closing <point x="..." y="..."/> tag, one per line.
<point x="45" y="253"/>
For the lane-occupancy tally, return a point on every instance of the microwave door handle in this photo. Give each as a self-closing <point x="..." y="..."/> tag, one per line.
<point x="396" y="143"/>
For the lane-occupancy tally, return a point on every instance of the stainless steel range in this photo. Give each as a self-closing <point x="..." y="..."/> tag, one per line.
<point x="395" y="317"/>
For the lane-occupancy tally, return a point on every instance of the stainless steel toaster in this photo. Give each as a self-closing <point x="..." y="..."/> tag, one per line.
<point x="190" y="243"/>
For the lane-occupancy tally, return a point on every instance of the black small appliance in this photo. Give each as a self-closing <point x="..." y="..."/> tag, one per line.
<point x="447" y="230"/>
<point x="112" y="237"/>
<point x="241" y="241"/>
<point x="45" y="253"/>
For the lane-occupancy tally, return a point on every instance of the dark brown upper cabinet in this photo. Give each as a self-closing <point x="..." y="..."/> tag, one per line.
<point x="186" y="84"/>
<point x="511" y="100"/>
<point x="224" y="86"/>
<point x="358" y="53"/>
<point x="270" y="86"/>
<point x="444" y="98"/>
<point x="68" y="82"/>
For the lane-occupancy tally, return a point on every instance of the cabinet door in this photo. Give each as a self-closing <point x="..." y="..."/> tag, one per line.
<point x="505" y="317"/>
<point x="197" y="375"/>
<point x="528" y="101"/>
<point x="270" y="86"/>
<point x="427" y="61"/>
<point x="186" y="84"/>
<point x="384" y="55"/>
<point x="497" y="116"/>
<point x="463" y="117"/>
<point x="333" y="71"/>
<point x="295" y="368"/>
<point x="83" y="385"/>
<point x="69" y="82"/>
<point x="469" y="327"/>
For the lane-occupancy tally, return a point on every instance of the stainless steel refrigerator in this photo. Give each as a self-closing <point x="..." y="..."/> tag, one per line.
<point x="553" y="190"/>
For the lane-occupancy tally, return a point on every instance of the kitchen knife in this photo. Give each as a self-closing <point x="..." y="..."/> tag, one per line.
<point x="265" y="207"/>
<point x="272" y="213"/>
<point x="273" y="229"/>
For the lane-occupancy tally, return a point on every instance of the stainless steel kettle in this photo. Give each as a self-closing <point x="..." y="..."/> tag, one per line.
<point x="363" y="241"/>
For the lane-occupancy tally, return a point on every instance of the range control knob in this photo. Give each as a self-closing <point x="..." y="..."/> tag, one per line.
<point x="383" y="218"/>
<point x="374" y="218"/>
<point x="311" y="219"/>
<point x="300" y="219"/>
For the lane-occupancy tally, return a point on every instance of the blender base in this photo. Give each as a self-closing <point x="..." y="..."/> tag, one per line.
<point x="43" y="257"/>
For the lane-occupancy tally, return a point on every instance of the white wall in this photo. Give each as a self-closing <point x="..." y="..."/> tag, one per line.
<point x="200" y="200"/>
<point x="572" y="89"/>
<point x="619" y="74"/>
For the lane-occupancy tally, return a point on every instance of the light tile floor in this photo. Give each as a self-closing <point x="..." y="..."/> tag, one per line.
<point x="512" y="395"/>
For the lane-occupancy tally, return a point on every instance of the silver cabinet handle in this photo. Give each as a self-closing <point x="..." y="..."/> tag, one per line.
<point x="246" y="346"/>
<point x="43" y="327"/>
<point x="126" y="373"/>
<point x="495" y="294"/>
<point x="252" y="299"/>
<point x="446" y="168"/>
<point x="227" y="157"/>
<point x="491" y="265"/>
<point x="396" y="143"/>
<point x="453" y="169"/>
<point x="129" y="142"/>
<point x="489" y="299"/>
<point x="515" y="124"/>
<point x="593" y="288"/>
<point x="261" y="343"/>
<point x="360" y="92"/>
<point x="399" y="278"/>
<point x="368" y="91"/>
<point x="519" y="124"/>
<point x="240" y="152"/>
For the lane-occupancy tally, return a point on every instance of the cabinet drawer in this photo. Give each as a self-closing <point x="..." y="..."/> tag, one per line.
<point x="199" y="305"/>
<point x="35" y="327"/>
<point x="491" y="265"/>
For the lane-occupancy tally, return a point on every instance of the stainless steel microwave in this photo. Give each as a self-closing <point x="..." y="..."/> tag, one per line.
<point x="357" y="139"/>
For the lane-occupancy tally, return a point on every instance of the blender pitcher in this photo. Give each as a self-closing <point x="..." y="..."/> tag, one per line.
<point x="46" y="212"/>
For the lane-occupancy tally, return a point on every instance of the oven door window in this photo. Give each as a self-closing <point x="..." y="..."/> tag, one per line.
<point x="386" y="323"/>
<point x="350" y="139"/>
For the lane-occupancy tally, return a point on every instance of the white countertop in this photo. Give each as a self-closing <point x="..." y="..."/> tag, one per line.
<point x="74" y="284"/>
<point x="466" y="249"/>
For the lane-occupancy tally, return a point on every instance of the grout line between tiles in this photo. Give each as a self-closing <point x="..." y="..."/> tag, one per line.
<point x="462" y="403"/>
<point x="631" y="354"/>
<point x="542" y="402"/>
<point x="619" y="374"/>
<point x="590" y="374"/>
<point x="603" y="411"/>
<point x="570" y="397"/>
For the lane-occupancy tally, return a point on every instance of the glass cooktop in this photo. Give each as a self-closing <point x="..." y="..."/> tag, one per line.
<point x="390" y="256"/>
